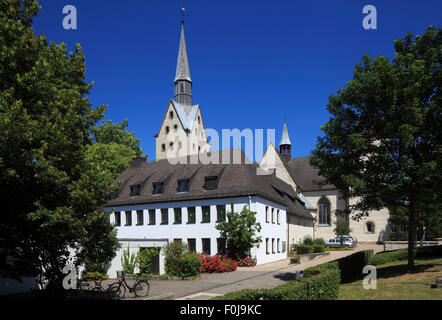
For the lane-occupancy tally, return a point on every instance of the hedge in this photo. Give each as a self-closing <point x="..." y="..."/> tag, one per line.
<point x="304" y="249"/>
<point x="402" y="254"/>
<point x="351" y="266"/>
<point x="318" y="248"/>
<point x="321" y="286"/>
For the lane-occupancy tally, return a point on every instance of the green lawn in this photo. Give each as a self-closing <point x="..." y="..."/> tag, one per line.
<point x="394" y="281"/>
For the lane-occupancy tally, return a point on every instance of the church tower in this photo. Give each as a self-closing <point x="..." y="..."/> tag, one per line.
<point x="285" y="146"/>
<point x="182" y="131"/>
<point x="183" y="82"/>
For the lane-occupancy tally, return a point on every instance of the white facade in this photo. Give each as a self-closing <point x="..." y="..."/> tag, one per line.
<point x="158" y="235"/>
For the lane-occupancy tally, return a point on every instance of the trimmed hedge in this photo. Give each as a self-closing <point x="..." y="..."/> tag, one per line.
<point x="351" y="266"/>
<point x="402" y="254"/>
<point x="321" y="286"/>
<point x="304" y="249"/>
<point x="318" y="248"/>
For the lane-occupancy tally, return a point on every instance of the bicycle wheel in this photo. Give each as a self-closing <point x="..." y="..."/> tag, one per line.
<point x="141" y="288"/>
<point x="116" y="290"/>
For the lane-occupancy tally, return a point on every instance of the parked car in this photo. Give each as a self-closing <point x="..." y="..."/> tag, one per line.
<point x="336" y="242"/>
<point x="355" y="241"/>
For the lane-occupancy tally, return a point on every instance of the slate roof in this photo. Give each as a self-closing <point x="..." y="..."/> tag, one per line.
<point x="307" y="177"/>
<point x="285" y="139"/>
<point x="182" y="67"/>
<point x="186" y="114"/>
<point x="234" y="180"/>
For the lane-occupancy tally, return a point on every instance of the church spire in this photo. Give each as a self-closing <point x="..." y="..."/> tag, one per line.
<point x="285" y="146"/>
<point x="183" y="82"/>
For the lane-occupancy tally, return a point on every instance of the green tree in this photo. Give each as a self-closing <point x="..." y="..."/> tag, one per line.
<point x="382" y="145"/>
<point x="52" y="197"/>
<point x="113" y="149"/>
<point x="240" y="231"/>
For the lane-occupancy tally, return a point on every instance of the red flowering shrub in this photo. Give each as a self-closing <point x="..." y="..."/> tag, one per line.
<point x="217" y="264"/>
<point x="246" y="262"/>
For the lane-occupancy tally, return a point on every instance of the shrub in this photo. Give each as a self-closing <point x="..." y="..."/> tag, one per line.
<point x="246" y="262"/>
<point x="188" y="265"/>
<point x="294" y="260"/>
<point x="172" y="252"/>
<point x="319" y="241"/>
<point x="304" y="249"/>
<point x="144" y="260"/>
<point x="293" y="247"/>
<point x="429" y="251"/>
<point x="351" y="266"/>
<point x="96" y="276"/>
<point x="322" y="286"/>
<point x="128" y="262"/>
<point x="308" y="241"/>
<point x="318" y="248"/>
<point x="217" y="264"/>
<point x="390" y="256"/>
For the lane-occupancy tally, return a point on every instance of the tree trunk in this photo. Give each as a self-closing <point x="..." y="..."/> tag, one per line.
<point x="411" y="234"/>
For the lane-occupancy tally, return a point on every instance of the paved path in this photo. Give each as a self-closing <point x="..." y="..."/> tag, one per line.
<point x="264" y="276"/>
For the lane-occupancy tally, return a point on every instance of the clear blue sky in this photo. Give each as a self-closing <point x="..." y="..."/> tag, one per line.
<point x="251" y="62"/>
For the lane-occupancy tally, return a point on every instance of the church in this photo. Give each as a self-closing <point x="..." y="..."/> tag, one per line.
<point x="175" y="199"/>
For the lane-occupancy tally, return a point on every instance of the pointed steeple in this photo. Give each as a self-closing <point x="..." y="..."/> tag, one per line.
<point x="285" y="146"/>
<point x="183" y="82"/>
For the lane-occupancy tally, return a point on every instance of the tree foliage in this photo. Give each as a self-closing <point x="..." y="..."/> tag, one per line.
<point x="240" y="231"/>
<point x="382" y="145"/>
<point x="52" y="197"/>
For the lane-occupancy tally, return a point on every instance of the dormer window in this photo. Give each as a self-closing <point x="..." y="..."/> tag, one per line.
<point x="183" y="185"/>
<point x="158" y="188"/>
<point x="135" y="190"/>
<point x="211" y="183"/>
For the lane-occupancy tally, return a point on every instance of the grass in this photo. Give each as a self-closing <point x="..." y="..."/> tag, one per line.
<point x="396" y="282"/>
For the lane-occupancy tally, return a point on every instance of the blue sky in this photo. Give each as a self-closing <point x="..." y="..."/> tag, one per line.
<point x="251" y="62"/>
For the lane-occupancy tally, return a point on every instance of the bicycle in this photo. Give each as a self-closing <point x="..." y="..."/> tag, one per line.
<point x="118" y="289"/>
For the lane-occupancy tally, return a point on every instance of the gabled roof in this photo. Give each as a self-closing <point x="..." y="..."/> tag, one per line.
<point x="234" y="180"/>
<point x="182" y="67"/>
<point x="307" y="176"/>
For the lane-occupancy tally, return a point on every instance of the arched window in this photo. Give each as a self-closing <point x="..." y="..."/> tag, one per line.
<point x="163" y="147"/>
<point x="324" y="211"/>
<point x="167" y="130"/>
<point x="370" y="227"/>
<point x="175" y="127"/>
<point x="171" y="114"/>
<point x="181" y="87"/>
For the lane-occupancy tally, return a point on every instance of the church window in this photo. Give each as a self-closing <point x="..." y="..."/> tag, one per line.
<point x="324" y="211"/>
<point x="171" y="114"/>
<point x="171" y="146"/>
<point x="199" y="119"/>
<point x="175" y="127"/>
<point x="181" y="87"/>
<point x="167" y="130"/>
<point x="163" y="147"/>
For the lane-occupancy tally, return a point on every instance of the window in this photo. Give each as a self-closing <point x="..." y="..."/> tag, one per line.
<point x="283" y="246"/>
<point x="192" y="244"/>
<point x="206" y="213"/>
<point x="178" y="240"/>
<point x="370" y="227"/>
<point x="206" y="246"/>
<point x="158" y="188"/>
<point x="267" y="214"/>
<point x="277" y="216"/>
<point x="210" y="183"/>
<point x="199" y="119"/>
<point x="324" y="211"/>
<point x="171" y="146"/>
<point x="191" y="217"/>
<point x="273" y="245"/>
<point x="181" y="87"/>
<point x="117" y="219"/>
<point x="128" y="218"/>
<point x="164" y="216"/>
<point x="221" y="213"/>
<point x="152" y="216"/>
<point x="171" y="114"/>
<point x="183" y="185"/>
<point x="140" y="218"/>
<point x="177" y="214"/>
<point x="277" y="246"/>
<point x="221" y="244"/>
<point x="135" y="190"/>
<point x="273" y="215"/>
<point x="175" y="127"/>
<point x="163" y="147"/>
<point x="267" y="246"/>
<point x="167" y="129"/>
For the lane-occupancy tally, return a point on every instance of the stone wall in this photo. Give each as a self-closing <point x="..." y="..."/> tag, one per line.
<point x="396" y="245"/>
